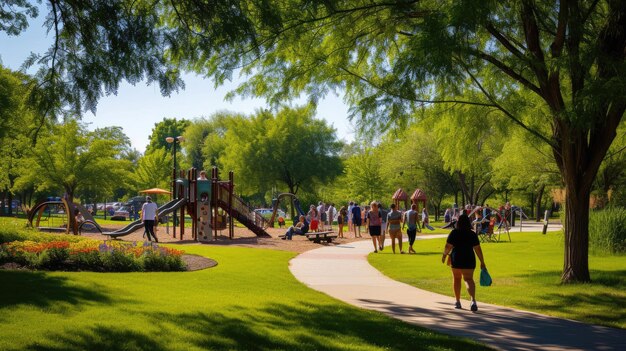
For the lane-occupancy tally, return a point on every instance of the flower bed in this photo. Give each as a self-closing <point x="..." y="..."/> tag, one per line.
<point x="92" y="255"/>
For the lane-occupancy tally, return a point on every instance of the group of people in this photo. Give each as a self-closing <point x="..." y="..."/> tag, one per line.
<point x="460" y="252"/>
<point x="377" y="221"/>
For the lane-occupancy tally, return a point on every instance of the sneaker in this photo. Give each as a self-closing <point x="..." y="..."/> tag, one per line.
<point x="473" y="306"/>
<point x="457" y="305"/>
<point x="402" y="252"/>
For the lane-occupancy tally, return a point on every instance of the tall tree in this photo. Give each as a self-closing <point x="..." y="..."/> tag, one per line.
<point x="168" y="127"/>
<point x="74" y="158"/>
<point x="394" y="56"/>
<point x="16" y="122"/>
<point x="291" y="149"/>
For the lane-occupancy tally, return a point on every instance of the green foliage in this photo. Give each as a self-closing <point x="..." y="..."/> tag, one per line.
<point x="154" y="170"/>
<point x="70" y="156"/>
<point x="10" y="233"/>
<point x="95" y="46"/>
<point x="119" y="261"/>
<point x="14" y="17"/>
<point x="607" y="230"/>
<point x="291" y="150"/>
<point x="364" y="179"/>
<point x="168" y="127"/>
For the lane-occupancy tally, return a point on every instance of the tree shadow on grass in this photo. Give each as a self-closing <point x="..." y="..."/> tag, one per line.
<point x="587" y="304"/>
<point x="273" y="326"/>
<point x="102" y="338"/>
<point x="43" y="290"/>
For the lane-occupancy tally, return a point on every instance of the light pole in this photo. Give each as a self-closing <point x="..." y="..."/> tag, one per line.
<point x="174" y="141"/>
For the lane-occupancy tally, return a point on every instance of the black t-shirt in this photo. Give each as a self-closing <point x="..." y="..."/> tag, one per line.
<point x="463" y="253"/>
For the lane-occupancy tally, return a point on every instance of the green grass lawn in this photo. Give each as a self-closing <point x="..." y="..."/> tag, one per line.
<point x="526" y="275"/>
<point x="250" y="301"/>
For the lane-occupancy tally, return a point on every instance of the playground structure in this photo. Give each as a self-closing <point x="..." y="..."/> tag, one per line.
<point x="211" y="204"/>
<point x="296" y="205"/>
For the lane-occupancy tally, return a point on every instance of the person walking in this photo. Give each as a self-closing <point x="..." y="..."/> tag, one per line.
<point x="460" y="247"/>
<point x="330" y="215"/>
<point x="149" y="216"/>
<point x="383" y="226"/>
<point x="356" y="220"/>
<point x="313" y="218"/>
<point x="394" y="219"/>
<point x="374" y="222"/>
<point x="350" y="207"/>
<point x="410" y="220"/>
<point x="341" y="220"/>
<point x="425" y="220"/>
<point x="321" y="213"/>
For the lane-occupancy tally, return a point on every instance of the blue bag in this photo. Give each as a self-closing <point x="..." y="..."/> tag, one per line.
<point x="485" y="278"/>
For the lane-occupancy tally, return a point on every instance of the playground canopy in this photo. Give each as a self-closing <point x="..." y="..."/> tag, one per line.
<point x="419" y="196"/>
<point x="155" y="191"/>
<point x="400" y="195"/>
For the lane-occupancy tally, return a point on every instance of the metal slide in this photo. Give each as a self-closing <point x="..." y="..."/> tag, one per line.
<point x="138" y="224"/>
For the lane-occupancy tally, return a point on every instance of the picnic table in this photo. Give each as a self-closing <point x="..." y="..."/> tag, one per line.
<point x="317" y="237"/>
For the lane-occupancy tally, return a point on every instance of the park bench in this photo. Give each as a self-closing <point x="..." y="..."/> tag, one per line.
<point x="319" y="236"/>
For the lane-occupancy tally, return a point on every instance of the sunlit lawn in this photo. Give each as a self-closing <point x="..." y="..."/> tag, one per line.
<point x="526" y="275"/>
<point x="250" y="301"/>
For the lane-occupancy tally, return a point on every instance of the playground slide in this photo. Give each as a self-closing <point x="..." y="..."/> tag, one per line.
<point x="277" y="200"/>
<point x="138" y="224"/>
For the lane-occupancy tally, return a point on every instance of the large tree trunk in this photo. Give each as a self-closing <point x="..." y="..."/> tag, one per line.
<point x="576" y="263"/>
<point x="538" y="202"/>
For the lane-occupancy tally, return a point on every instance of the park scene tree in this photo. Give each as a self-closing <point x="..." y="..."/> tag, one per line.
<point x="475" y="103"/>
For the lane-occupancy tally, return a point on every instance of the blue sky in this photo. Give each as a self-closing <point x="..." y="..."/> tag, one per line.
<point x="137" y="108"/>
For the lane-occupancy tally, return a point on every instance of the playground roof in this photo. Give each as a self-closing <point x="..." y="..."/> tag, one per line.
<point x="419" y="195"/>
<point x="400" y="195"/>
<point x="155" y="191"/>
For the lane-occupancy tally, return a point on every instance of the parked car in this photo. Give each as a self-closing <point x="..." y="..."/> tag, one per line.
<point x="267" y="213"/>
<point x="122" y="214"/>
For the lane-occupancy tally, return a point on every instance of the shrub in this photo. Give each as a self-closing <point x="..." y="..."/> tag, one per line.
<point x="120" y="261"/>
<point x="607" y="230"/>
<point x="15" y="233"/>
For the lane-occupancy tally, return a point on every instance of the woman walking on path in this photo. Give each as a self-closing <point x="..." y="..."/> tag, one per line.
<point x="374" y="222"/>
<point x="395" y="232"/>
<point x="461" y="244"/>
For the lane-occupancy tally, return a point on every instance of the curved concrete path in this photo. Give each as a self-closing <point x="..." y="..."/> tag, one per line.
<point x="343" y="272"/>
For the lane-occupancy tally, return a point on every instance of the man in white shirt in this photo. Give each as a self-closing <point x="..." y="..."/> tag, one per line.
<point x="149" y="216"/>
<point x="330" y="214"/>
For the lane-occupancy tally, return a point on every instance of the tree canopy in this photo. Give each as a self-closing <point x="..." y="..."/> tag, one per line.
<point x="536" y="63"/>
<point x="73" y="158"/>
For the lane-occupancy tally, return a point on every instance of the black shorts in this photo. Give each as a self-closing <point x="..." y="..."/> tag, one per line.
<point x="375" y="230"/>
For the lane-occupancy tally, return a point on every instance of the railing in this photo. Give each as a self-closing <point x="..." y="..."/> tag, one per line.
<point x="241" y="207"/>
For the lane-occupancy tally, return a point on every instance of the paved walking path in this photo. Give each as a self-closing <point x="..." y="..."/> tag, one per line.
<point x="343" y="272"/>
